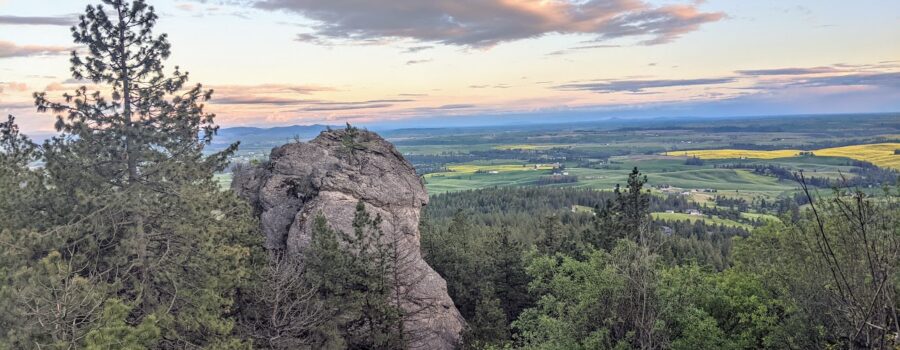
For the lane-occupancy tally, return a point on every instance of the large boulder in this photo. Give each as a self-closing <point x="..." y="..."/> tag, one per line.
<point x="328" y="176"/>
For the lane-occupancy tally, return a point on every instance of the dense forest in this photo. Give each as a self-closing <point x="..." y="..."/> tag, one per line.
<point x="115" y="235"/>
<point x="525" y="276"/>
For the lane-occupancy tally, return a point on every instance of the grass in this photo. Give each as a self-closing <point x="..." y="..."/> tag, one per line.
<point x="582" y="209"/>
<point x="471" y="168"/>
<point x="526" y="147"/>
<point x="224" y="180"/>
<point x="694" y="218"/>
<point x="476" y="175"/>
<point x="880" y="154"/>
<point x="473" y="176"/>
<point x="755" y="216"/>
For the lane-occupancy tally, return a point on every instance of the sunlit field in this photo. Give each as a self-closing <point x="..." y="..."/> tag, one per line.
<point x="881" y="154"/>
<point x="501" y="168"/>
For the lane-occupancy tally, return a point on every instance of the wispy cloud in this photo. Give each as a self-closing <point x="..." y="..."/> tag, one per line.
<point x="258" y="100"/>
<point x="456" y="106"/>
<point x="581" y="48"/>
<point x="638" y="86"/>
<point x="10" y="49"/>
<point x="485" y="23"/>
<point x="890" y="79"/>
<point x="789" y="71"/>
<point x="412" y="62"/>
<point x="50" y="21"/>
<point x="15" y="105"/>
<point x="271" y="89"/>
<point x="345" y="107"/>
<point x="13" y="86"/>
<point x="414" y="49"/>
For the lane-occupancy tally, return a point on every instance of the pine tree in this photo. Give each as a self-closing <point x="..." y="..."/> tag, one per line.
<point x="633" y="205"/>
<point x="626" y="216"/>
<point x="356" y="279"/>
<point x="510" y="280"/>
<point x="19" y="184"/>
<point x="131" y="215"/>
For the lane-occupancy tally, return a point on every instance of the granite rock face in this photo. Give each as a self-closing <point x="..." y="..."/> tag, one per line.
<point x="328" y="176"/>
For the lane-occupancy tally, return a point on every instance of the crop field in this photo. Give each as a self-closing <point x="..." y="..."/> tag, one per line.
<point x="694" y="218"/>
<point x="500" y="168"/>
<point x="757" y="216"/>
<point x="881" y="154"/>
<point x="452" y="182"/>
<point x="670" y="172"/>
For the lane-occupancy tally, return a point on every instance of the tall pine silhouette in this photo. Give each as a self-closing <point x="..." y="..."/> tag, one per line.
<point x="135" y="242"/>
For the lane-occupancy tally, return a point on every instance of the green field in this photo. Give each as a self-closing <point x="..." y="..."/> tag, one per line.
<point x="659" y="172"/>
<point x="694" y="218"/>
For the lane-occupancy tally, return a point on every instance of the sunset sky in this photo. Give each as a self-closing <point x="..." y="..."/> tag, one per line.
<point x="446" y="62"/>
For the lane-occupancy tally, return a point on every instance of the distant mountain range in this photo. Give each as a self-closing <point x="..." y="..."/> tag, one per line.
<point x="275" y="136"/>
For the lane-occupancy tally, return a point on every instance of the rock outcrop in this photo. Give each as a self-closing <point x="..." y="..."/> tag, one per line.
<point x="328" y="176"/>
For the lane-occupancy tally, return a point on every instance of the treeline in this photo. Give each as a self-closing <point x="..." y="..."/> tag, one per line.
<point x="613" y="280"/>
<point x="428" y="163"/>
<point x="556" y="179"/>
<point x="864" y="174"/>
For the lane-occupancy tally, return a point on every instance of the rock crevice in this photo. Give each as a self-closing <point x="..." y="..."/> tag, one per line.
<point x="328" y="176"/>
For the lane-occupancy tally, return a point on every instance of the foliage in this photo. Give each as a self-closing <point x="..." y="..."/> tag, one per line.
<point x="358" y="289"/>
<point x="121" y="235"/>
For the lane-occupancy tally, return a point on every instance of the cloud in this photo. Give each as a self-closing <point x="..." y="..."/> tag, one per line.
<point x="9" y="49"/>
<point x="485" y="23"/>
<point x="270" y="89"/>
<point x="311" y="39"/>
<point x="415" y="49"/>
<point x="412" y="62"/>
<point x="258" y="100"/>
<point x="13" y="86"/>
<point x="789" y="71"/>
<point x="638" y="86"/>
<point x="185" y="7"/>
<point x="456" y="106"/>
<point x="888" y="79"/>
<point x="51" y="21"/>
<point x="584" y="47"/>
<point x="277" y="95"/>
<point x="345" y="107"/>
<point x="15" y="105"/>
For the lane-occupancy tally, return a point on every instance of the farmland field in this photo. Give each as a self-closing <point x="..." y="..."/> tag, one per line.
<point x="693" y="218"/>
<point x="881" y="154"/>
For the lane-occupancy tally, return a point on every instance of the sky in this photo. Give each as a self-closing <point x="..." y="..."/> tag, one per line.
<point x="451" y="62"/>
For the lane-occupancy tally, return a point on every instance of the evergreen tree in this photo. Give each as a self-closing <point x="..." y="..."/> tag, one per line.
<point x="132" y="235"/>
<point x="557" y="238"/>
<point x="633" y="205"/>
<point x="355" y="277"/>
<point x="489" y="326"/>
<point x="21" y="186"/>
<point x="510" y="280"/>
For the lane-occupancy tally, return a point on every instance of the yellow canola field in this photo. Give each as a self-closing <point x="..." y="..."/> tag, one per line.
<point x="880" y="154"/>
